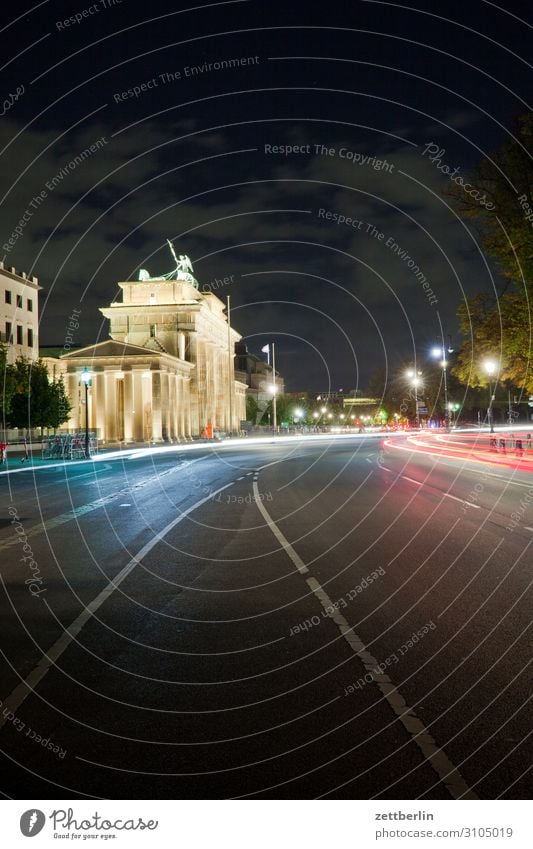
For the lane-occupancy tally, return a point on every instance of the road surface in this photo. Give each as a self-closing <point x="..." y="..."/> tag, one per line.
<point x="334" y="617"/>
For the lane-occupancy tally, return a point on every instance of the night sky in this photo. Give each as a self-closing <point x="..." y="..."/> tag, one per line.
<point x="190" y="113"/>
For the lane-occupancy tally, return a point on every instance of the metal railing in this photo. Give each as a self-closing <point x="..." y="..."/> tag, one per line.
<point x="68" y="446"/>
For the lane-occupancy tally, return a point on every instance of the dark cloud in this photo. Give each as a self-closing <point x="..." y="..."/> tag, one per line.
<point x="185" y="159"/>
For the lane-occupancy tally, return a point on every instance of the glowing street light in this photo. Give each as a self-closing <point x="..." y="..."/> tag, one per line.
<point x="453" y="407"/>
<point x="439" y="353"/>
<point x="298" y="414"/>
<point x="86" y="380"/>
<point x="415" y="380"/>
<point x="490" y="367"/>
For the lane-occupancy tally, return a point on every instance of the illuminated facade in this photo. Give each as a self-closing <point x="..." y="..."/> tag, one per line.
<point x="19" y="314"/>
<point x="167" y="371"/>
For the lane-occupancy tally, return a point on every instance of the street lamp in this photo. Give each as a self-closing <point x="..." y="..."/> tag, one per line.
<point x="415" y="381"/>
<point x="298" y="415"/>
<point x="490" y="368"/>
<point x="273" y="388"/>
<point x="453" y="407"/>
<point x="440" y="353"/>
<point x="86" y="380"/>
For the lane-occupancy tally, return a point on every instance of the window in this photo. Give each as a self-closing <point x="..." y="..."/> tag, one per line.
<point x="152" y="331"/>
<point x="30" y="305"/>
<point x="9" y="332"/>
<point x="8" y="296"/>
<point x="30" y="338"/>
<point x="20" y="338"/>
<point x="19" y="302"/>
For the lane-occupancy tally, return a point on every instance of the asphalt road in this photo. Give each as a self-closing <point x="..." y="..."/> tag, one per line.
<point x="332" y="618"/>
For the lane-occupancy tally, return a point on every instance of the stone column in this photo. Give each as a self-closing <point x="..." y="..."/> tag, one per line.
<point x="147" y="384"/>
<point x="181" y="345"/>
<point x="73" y="390"/>
<point x="222" y="395"/>
<point x="234" y="425"/>
<point x="197" y="385"/>
<point x="187" y="406"/>
<point x="111" y="406"/>
<point x="184" y="408"/>
<point x="99" y="400"/>
<point x="138" y="406"/>
<point x="128" y="406"/>
<point x="172" y="411"/>
<point x="178" y="406"/>
<point x="156" y="405"/>
<point x="212" y="385"/>
<point x="119" y="395"/>
<point x="165" y="406"/>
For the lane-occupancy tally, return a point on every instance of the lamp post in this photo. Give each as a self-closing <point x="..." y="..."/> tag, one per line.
<point x="490" y="367"/>
<point x="86" y="380"/>
<point x="440" y="352"/>
<point x="298" y="415"/>
<point x="231" y="374"/>
<point x="274" y="406"/>
<point x="415" y="380"/>
<point x="273" y="388"/>
<point x="453" y="407"/>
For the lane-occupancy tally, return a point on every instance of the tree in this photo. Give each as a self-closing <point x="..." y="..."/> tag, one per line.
<point x="60" y="406"/>
<point x="397" y="394"/>
<point x="500" y="326"/>
<point x="284" y="408"/>
<point x="7" y="387"/>
<point x="506" y="178"/>
<point x="36" y="401"/>
<point x="252" y="409"/>
<point x="20" y="377"/>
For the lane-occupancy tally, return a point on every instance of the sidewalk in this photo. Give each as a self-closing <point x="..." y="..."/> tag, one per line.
<point x="16" y="461"/>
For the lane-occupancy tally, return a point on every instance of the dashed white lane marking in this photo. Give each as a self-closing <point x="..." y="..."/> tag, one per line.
<point x="527" y="528"/>
<point x="437" y="758"/>
<point x="76" y="512"/>
<point x="444" y="494"/>
<point x="461" y="500"/>
<point x="385" y="469"/>
<point x="412" y="480"/>
<point x="284" y="542"/>
<point x="26" y="687"/>
<point x="241" y="478"/>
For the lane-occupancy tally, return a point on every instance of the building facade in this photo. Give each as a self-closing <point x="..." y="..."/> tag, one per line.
<point x="166" y="373"/>
<point x="19" y="314"/>
<point x="258" y="376"/>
